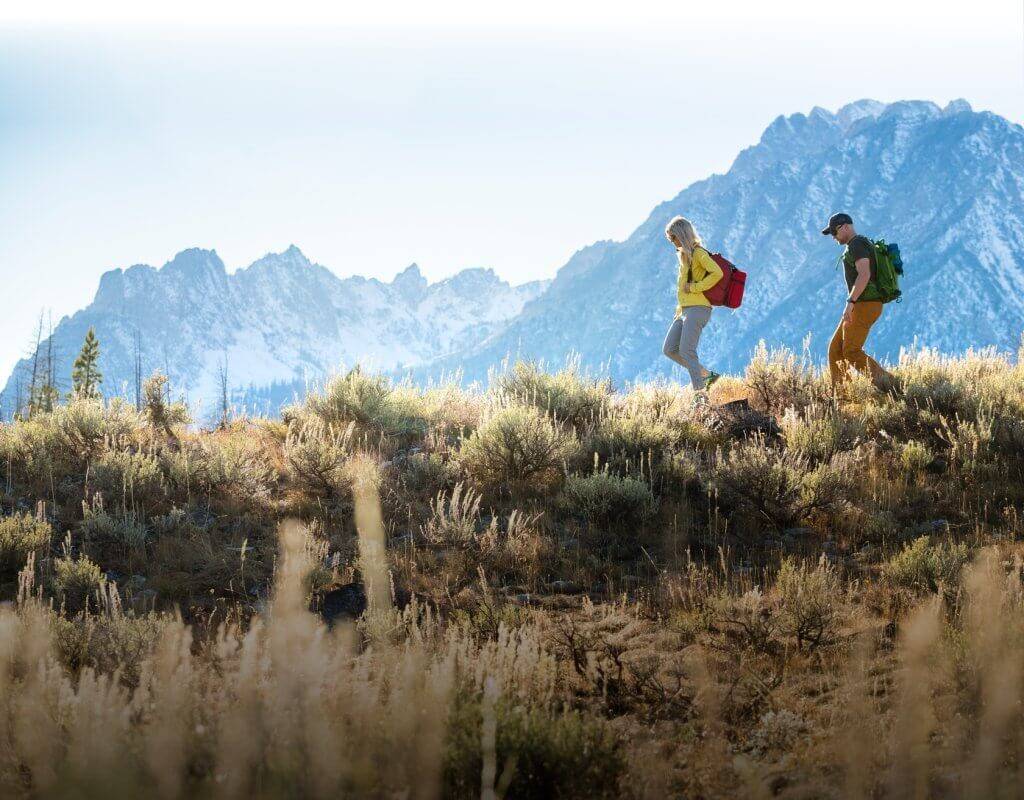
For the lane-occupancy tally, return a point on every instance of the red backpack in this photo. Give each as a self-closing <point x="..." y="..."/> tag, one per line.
<point x="728" y="291"/>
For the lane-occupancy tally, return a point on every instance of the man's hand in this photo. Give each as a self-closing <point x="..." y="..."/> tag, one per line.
<point x="688" y="288"/>
<point x="848" y="314"/>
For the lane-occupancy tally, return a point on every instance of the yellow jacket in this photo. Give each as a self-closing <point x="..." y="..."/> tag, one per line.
<point x="703" y="273"/>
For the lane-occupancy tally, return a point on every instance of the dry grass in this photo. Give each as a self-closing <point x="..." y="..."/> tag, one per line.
<point x="568" y="592"/>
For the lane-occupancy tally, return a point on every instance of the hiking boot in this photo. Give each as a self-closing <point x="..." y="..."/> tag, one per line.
<point x="710" y="380"/>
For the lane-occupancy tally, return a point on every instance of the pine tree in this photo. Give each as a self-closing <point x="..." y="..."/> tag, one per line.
<point x="86" y="376"/>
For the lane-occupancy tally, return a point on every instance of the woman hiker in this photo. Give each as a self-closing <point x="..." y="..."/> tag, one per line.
<point x="698" y="272"/>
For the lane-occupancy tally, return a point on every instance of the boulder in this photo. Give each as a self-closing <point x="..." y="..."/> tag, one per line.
<point x="344" y="603"/>
<point x="925" y="529"/>
<point x="565" y="587"/>
<point x="348" y="602"/>
<point x="144" y="601"/>
<point x="737" y="420"/>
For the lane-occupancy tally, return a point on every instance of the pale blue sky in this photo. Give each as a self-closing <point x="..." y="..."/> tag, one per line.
<point x="454" y="139"/>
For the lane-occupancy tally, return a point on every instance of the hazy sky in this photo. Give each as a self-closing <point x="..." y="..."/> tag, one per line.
<point x="449" y="134"/>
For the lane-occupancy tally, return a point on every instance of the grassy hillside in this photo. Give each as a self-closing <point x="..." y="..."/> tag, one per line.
<point x="552" y="589"/>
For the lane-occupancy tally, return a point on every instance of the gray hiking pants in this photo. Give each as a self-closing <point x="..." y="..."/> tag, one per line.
<point x="681" y="341"/>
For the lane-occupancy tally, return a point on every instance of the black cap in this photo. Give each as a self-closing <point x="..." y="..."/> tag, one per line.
<point x="835" y="221"/>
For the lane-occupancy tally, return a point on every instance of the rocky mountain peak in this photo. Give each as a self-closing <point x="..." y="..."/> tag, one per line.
<point x="475" y="279"/>
<point x="290" y="259"/>
<point x="958" y="106"/>
<point x="410" y="283"/>
<point x="794" y="137"/>
<point x="858" y="110"/>
<point x="194" y="263"/>
<point x="111" y="289"/>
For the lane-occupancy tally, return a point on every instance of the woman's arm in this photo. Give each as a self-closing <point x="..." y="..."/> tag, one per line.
<point x="713" y="271"/>
<point x="681" y="285"/>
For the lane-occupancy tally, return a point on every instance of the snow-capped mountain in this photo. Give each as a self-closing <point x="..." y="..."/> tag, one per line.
<point x="946" y="184"/>
<point x="276" y="325"/>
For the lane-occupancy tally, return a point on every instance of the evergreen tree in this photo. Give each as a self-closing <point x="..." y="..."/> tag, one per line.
<point x="86" y="376"/>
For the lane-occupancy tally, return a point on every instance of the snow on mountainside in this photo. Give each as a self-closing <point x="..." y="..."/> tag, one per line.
<point x="277" y="324"/>
<point x="946" y="184"/>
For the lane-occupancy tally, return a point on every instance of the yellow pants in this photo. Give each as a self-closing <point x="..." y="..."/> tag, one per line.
<point x="847" y="346"/>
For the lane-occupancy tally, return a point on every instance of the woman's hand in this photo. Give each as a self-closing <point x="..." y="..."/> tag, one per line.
<point x="688" y="288"/>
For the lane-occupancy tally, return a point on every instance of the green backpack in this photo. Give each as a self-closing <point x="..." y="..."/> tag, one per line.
<point x="885" y="283"/>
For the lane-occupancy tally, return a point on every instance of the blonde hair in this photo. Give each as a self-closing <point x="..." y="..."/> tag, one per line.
<point x="683" y="230"/>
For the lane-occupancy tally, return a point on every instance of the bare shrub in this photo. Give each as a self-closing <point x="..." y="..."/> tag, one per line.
<point x="524" y="552"/>
<point x="810" y="602"/>
<point x="237" y="463"/>
<point x="569" y="396"/>
<point x="538" y="754"/>
<point x="317" y="455"/>
<point x="518" y="450"/>
<point x="915" y="456"/>
<point x="603" y="499"/>
<point x="21" y="535"/>
<point x="85" y="425"/>
<point x="970" y="444"/>
<point x="818" y="434"/>
<point x="622" y="658"/>
<point x="132" y="479"/>
<point x="778" y="380"/>
<point x="369" y="401"/>
<point x="75" y="579"/>
<point x="32" y="452"/>
<point x="163" y="415"/>
<point x="805" y="604"/>
<point x="779" y="487"/>
<point x="776" y="733"/>
<point x="125" y="529"/>
<point x="630" y="445"/>
<point x="746" y="622"/>
<point x="109" y="642"/>
<point x="922" y="566"/>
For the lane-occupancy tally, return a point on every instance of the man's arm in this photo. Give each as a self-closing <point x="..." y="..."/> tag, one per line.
<point x="863" y="266"/>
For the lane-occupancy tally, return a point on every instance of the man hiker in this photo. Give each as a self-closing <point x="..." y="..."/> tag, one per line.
<point x="862" y="306"/>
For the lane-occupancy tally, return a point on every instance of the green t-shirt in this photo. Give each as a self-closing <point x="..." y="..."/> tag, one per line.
<point x="857" y="248"/>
